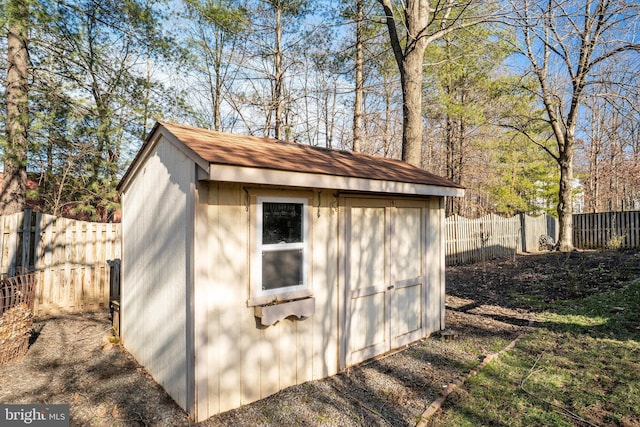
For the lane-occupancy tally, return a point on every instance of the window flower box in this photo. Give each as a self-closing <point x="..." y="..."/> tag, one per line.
<point x="270" y="314"/>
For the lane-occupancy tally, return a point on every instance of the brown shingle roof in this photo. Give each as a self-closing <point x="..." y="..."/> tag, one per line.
<point x="268" y="153"/>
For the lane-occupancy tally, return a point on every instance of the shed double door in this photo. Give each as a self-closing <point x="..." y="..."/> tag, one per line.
<point x="384" y="277"/>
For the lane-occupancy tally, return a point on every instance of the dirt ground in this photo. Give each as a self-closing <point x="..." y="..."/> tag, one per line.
<point x="531" y="281"/>
<point x="71" y="360"/>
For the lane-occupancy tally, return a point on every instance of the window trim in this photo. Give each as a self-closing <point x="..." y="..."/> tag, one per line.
<point x="258" y="295"/>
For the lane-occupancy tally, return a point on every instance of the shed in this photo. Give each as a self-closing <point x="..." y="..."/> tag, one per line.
<point x="252" y="264"/>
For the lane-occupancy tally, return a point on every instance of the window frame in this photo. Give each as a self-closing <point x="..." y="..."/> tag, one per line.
<point x="258" y="295"/>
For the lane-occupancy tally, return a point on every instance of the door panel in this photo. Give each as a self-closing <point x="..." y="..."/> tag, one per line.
<point x="407" y="239"/>
<point x="367" y="234"/>
<point x="367" y="280"/>
<point x="367" y="322"/>
<point x="408" y="310"/>
<point x="407" y="302"/>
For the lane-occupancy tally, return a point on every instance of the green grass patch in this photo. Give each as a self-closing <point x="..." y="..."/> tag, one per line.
<point x="580" y="367"/>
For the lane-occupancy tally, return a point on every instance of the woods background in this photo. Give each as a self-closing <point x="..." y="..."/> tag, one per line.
<point x="532" y="105"/>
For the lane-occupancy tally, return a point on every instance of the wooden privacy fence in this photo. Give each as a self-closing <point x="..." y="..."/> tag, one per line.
<point x="492" y="236"/>
<point x="607" y="230"/>
<point x="70" y="257"/>
<point x="469" y="240"/>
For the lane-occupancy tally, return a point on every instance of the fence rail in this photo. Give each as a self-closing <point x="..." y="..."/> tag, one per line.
<point x="71" y="259"/>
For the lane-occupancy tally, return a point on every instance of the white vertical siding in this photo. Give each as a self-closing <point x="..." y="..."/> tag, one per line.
<point x="157" y="213"/>
<point x="323" y="351"/>
<point x="202" y="319"/>
<point x="239" y="361"/>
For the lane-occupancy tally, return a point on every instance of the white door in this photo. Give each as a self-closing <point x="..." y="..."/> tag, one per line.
<point x="408" y="264"/>
<point x="383" y="276"/>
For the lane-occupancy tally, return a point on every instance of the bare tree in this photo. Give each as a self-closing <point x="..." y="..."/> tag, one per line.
<point x="318" y="90"/>
<point x="423" y="22"/>
<point x="609" y="162"/>
<point x="214" y="33"/>
<point x="567" y="43"/>
<point x="268" y="61"/>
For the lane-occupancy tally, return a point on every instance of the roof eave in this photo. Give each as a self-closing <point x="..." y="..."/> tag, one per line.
<point x="241" y="174"/>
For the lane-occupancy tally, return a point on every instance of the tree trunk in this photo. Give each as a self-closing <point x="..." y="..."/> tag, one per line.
<point x="13" y="186"/>
<point x="410" y="62"/>
<point x="217" y="102"/>
<point x="357" y="105"/>
<point x="565" y="202"/>
<point x="388" y="98"/>
<point x="450" y="153"/>
<point x="411" y="80"/>
<point x="279" y="77"/>
<point x="594" y="171"/>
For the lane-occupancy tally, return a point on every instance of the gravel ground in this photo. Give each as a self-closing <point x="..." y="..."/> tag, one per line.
<point x="71" y="360"/>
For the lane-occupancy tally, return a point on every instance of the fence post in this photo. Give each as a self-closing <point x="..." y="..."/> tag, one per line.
<point x="552" y="226"/>
<point x="523" y="234"/>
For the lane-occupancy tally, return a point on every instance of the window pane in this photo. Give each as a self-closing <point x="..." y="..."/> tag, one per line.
<point x="281" y="269"/>
<point x="281" y="223"/>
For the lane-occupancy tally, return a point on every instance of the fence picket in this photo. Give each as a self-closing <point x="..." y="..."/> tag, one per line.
<point x="12" y="250"/>
<point x="3" y="263"/>
<point x="46" y="255"/>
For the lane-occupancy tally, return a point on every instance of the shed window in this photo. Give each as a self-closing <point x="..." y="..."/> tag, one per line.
<point x="282" y="245"/>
